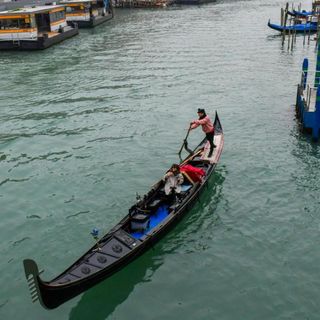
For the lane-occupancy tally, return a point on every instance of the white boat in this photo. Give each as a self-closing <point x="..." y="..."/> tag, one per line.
<point x="32" y="28"/>
<point x="88" y="13"/>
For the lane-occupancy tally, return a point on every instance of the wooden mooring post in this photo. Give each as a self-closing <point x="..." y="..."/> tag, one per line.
<point x="289" y="34"/>
<point x="285" y="17"/>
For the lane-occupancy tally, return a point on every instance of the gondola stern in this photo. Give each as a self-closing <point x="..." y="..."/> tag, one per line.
<point x="219" y="150"/>
<point x="217" y="125"/>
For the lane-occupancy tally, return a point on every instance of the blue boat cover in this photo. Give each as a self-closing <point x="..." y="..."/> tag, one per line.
<point x="306" y="27"/>
<point x="155" y="219"/>
<point x="303" y="13"/>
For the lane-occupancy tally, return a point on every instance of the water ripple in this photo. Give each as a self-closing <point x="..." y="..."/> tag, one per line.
<point x="103" y="139"/>
<point x="17" y="242"/>
<point x="13" y="180"/>
<point x="2" y="304"/>
<point x="33" y="216"/>
<point x="77" y="214"/>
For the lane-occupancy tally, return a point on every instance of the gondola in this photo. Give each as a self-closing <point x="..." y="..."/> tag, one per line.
<point x="146" y="222"/>
<point x="302" y="14"/>
<point x="299" y="28"/>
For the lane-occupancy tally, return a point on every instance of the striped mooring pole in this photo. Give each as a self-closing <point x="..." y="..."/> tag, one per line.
<point x="305" y="66"/>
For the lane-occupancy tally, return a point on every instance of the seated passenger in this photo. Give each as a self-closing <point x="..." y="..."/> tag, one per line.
<point x="173" y="180"/>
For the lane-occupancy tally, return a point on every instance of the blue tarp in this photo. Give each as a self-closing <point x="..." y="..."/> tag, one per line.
<point x="306" y="27"/>
<point x="155" y="219"/>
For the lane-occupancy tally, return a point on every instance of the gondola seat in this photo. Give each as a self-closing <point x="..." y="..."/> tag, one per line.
<point x="185" y="188"/>
<point x="139" y="222"/>
<point x="154" y="205"/>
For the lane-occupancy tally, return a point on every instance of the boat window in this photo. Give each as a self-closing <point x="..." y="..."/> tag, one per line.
<point x="76" y="9"/>
<point x="14" y="24"/>
<point x="33" y="22"/>
<point x="56" y="16"/>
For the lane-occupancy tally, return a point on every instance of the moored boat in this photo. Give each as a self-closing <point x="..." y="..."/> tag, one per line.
<point x="303" y="13"/>
<point x="142" y="3"/>
<point x="88" y="13"/>
<point x="147" y="221"/>
<point x="33" y="28"/>
<point x="194" y="2"/>
<point x="299" y="28"/>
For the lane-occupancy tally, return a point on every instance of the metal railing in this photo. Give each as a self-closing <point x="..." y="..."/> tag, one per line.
<point x="307" y="94"/>
<point x="307" y="89"/>
<point x="311" y="78"/>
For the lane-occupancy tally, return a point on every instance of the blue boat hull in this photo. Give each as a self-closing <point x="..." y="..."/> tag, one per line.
<point x="302" y="13"/>
<point x="309" y="120"/>
<point x="299" y="28"/>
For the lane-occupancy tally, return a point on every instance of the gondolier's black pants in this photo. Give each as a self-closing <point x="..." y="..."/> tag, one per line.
<point x="210" y="136"/>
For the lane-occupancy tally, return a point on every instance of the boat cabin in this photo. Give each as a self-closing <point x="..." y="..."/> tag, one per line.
<point x="88" y="13"/>
<point x="36" y="27"/>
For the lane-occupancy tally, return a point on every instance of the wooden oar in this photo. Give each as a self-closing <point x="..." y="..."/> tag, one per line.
<point x="191" y="157"/>
<point x="184" y="141"/>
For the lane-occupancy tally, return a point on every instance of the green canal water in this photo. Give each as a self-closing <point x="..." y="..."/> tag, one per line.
<point x="88" y="123"/>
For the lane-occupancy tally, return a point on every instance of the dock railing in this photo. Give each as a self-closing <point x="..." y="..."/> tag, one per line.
<point x="308" y="90"/>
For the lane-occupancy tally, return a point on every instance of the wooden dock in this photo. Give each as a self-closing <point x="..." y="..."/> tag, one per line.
<point x="142" y="3"/>
<point x="308" y="100"/>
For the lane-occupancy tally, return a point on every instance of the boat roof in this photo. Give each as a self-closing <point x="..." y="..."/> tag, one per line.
<point x="28" y="10"/>
<point x="77" y="1"/>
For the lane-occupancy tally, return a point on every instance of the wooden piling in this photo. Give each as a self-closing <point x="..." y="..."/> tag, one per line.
<point x="293" y="37"/>
<point x="289" y="34"/>
<point x="285" y="23"/>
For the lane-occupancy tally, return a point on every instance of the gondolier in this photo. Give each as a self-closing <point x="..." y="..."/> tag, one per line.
<point x="207" y="128"/>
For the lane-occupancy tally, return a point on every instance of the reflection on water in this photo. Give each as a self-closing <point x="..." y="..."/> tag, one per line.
<point x="307" y="154"/>
<point x="100" y="302"/>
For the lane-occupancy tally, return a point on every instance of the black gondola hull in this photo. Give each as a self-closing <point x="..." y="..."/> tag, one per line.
<point x="54" y="296"/>
<point x="66" y="286"/>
